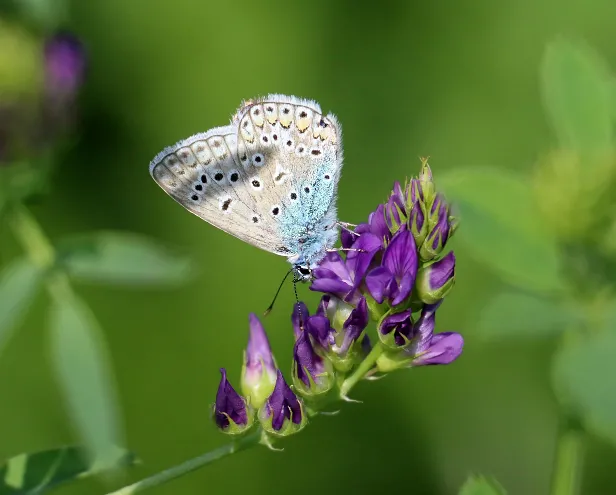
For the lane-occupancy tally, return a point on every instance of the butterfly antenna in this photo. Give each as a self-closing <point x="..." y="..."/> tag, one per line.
<point x="271" y="306"/>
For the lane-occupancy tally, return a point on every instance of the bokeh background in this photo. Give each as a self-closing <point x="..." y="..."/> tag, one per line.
<point x="454" y="80"/>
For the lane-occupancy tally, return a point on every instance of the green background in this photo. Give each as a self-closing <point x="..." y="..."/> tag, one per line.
<point x="454" y="80"/>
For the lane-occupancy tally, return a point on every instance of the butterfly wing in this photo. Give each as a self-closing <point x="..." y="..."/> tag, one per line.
<point x="267" y="178"/>
<point x="299" y="157"/>
<point x="204" y="175"/>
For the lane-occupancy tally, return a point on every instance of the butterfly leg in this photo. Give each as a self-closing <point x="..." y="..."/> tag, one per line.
<point x="335" y="250"/>
<point x="348" y="227"/>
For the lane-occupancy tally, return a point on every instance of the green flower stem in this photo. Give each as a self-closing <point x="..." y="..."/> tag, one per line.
<point x="39" y="249"/>
<point x="191" y="465"/>
<point x="361" y="371"/>
<point x="568" y="460"/>
<point x="31" y="236"/>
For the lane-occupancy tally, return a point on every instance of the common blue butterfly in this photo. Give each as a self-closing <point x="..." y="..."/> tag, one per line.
<point x="270" y="177"/>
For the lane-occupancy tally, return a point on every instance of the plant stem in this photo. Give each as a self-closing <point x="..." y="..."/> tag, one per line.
<point x="191" y="465"/>
<point x="32" y="238"/>
<point x="366" y="365"/>
<point x="568" y="459"/>
<point x="39" y="249"/>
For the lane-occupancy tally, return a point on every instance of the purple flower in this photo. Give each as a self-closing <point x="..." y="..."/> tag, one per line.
<point x="312" y="374"/>
<point x="283" y="412"/>
<point x="319" y="328"/>
<point x="429" y="348"/>
<point x="343" y="278"/>
<point x="259" y="369"/>
<point x="65" y="65"/>
<point x="376" y="224"/>
<point x="435" y="280"/>
<point x="353" y="327"/>
<point x="396" y="329"/>
<point x="230" y="411"/>
<point x="394" y="279"/>
<point x="445" y="348"/>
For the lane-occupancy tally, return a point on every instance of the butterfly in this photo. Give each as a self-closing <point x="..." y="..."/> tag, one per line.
<point x="269" y="178"/>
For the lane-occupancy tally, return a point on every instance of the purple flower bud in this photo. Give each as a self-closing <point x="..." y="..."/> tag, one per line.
<point x="231" y="413"/>
<point x="353" y="327"/>
<point x="259" y="369"/>
<point x="396" y="329"/>
<point x="394" y="279"/>
<point x="395" y="211"/>
<point x="299" y="317"/>
<point x="437" y="238"/>
<point x="414" y="192"/>
<point x="417" y="223"/>
<point x="319" y="328"/>
<point x="434" y="281"/>
<point x="283" y="413"/>
<point x="312" y="374"/>
<point x="65" y="65"/>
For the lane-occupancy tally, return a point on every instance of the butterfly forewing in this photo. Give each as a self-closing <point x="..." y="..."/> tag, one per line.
<point x="268" y="178"/>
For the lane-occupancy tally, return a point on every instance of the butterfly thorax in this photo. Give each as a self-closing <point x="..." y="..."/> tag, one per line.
<point x="310" y="247"/>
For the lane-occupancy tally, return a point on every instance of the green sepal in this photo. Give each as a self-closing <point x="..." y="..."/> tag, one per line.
<point x="324" y="383"/>
<point x="234" y="429"/>
<point x="392" y="360"/>
<point x="288" y="426"/>
<point x="375" y="309"/>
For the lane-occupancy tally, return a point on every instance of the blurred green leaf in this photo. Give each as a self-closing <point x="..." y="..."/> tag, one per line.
<point x="583" y="375"/>
<point x="19" y="282"/>
<point x="48" y="14"/>
<point x="82" y="366"/>
<point x="480" y="485"/>
<point x="576" y="92"/>
<point x="501" y="228"/>
<point x="518" y="315"/>
<point x="29" y="474"/>
<point x="122" y="258"/>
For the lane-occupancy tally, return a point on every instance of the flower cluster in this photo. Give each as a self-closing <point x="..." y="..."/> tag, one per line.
<point x="396" y="272"/>
<point x="397" y="267"/>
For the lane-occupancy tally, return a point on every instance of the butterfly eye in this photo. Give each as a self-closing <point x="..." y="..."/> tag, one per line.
<point x="304" y="270"/>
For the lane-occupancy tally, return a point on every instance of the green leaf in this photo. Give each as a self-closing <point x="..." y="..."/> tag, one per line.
<point x="501" y="229"/>
<point x="29" y="474"/>
<point x="583" y="375"/>
<point x="576" y="92"/>
<point x="82" y="366"/>
<point x="517" y="315"/>
<point x="480" y="485"/>
<point x="19" y="282"/>
<point x="122" y="258"/>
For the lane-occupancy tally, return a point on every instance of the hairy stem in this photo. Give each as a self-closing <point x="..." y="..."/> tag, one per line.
<point x="191" y="465"/>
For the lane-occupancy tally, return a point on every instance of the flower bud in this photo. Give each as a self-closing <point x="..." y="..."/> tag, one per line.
<point x="313" y="375"/>
<point x="436" y="279"/>
<point x="259" y="369"/>
<point x="396" y="329"/>
<point x="283" y="413"/>
<point x="418" y="224"/>
<point x="231" y="412"/>
<point x="439" y="227"/>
